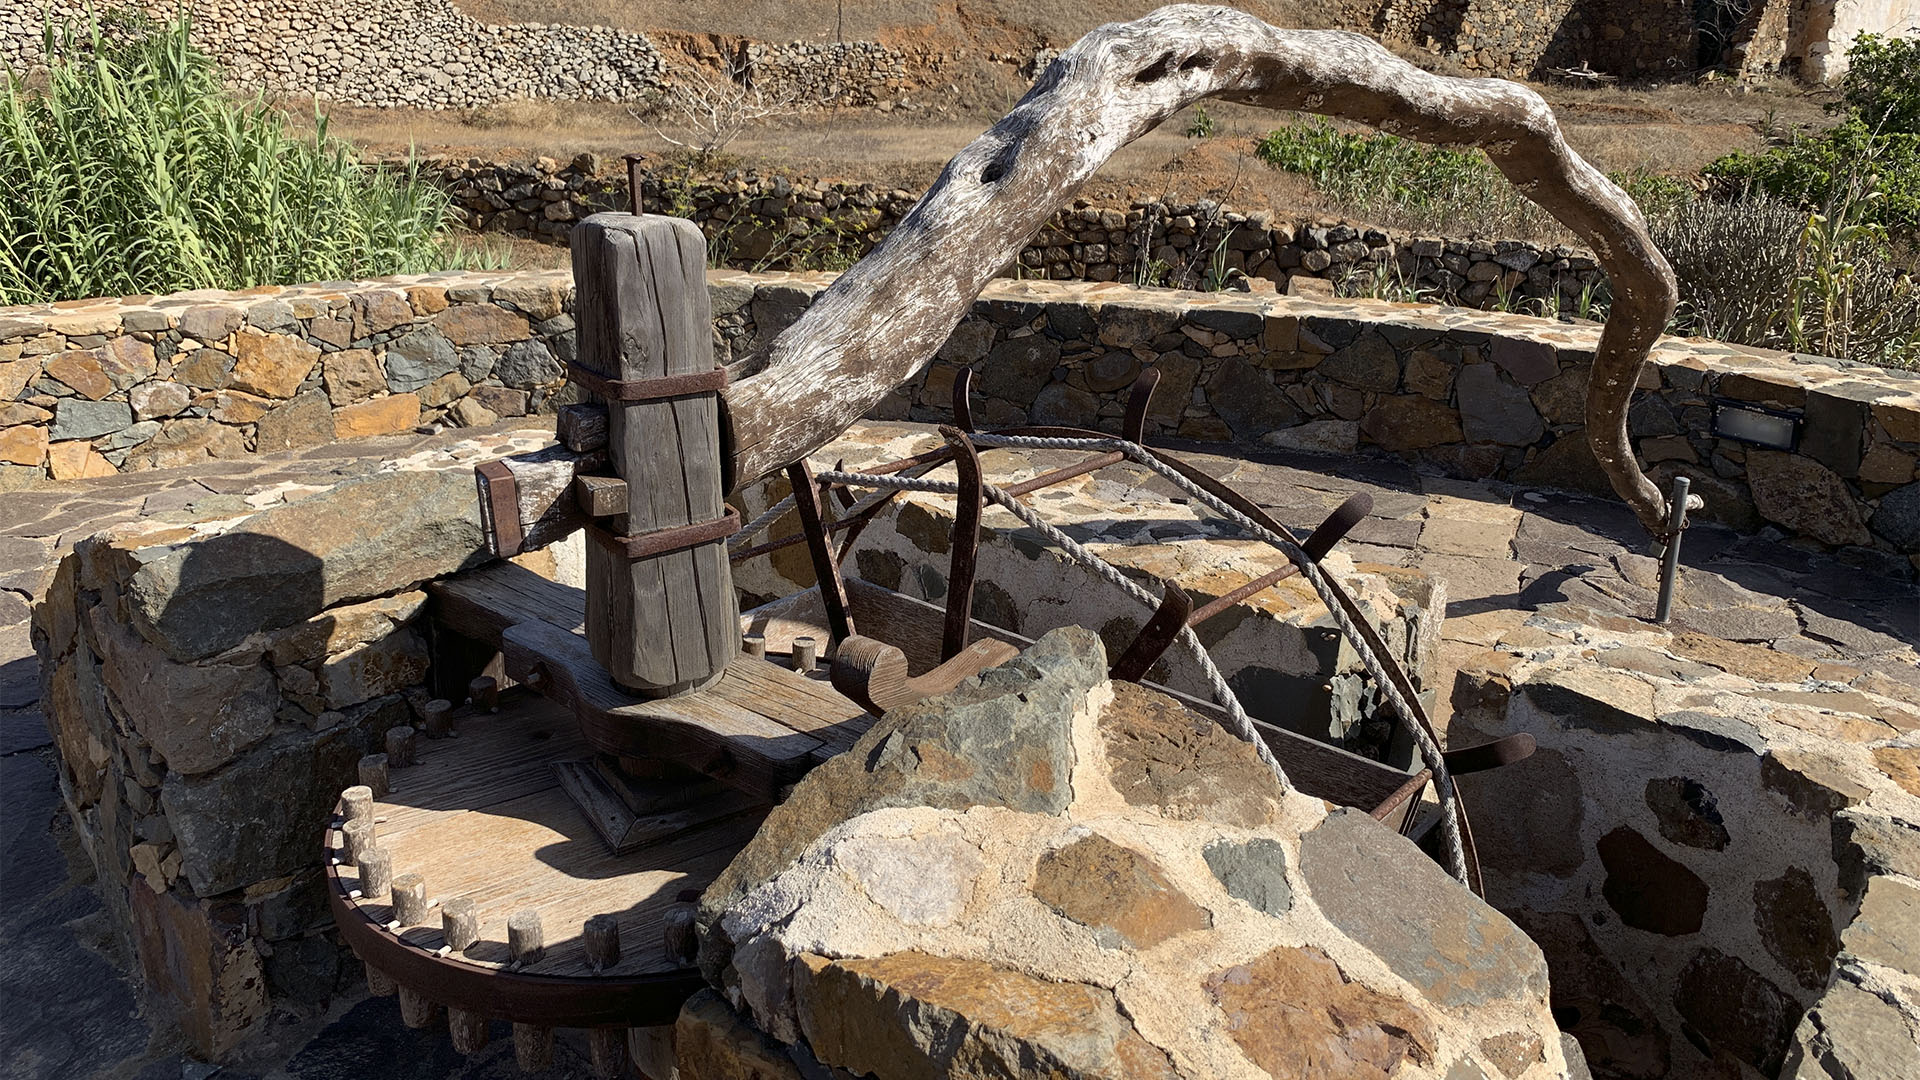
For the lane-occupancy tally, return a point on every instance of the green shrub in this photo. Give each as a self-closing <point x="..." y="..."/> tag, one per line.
<point x="1396" y="183"/>
<point x="1882" y="83"/>
<point x="1763" y="272"/>
<point x="132" y="171"/>
<point x="1849" y="160"/>
<point x="1202" y="125"/>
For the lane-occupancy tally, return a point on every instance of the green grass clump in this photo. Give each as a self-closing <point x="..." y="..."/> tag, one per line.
<point x="132" y="171"/>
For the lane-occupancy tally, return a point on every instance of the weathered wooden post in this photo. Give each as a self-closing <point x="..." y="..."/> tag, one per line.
<point x="662" y="617"/>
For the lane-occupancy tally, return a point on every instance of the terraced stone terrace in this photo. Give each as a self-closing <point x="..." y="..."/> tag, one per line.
<point x="1717" y="844"/>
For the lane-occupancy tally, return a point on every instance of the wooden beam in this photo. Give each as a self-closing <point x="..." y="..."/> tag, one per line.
<point x="582" y="427"/>
<point x="667" y="623"/>
<point x="600" y="496"/>
<point x="881" y="321"/>
<point x="538" y="487"/>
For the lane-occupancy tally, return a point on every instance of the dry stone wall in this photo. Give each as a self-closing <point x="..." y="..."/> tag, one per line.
<point x="211" y="675"/>
<point x="91" y="387"/>
<point x="429" y="54"/>
<point x="760" y="222"/>
<point x="1043" y="874"/>
<point x="1715" y="842"/>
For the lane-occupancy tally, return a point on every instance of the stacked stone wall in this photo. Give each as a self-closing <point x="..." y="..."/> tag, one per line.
<point x="762" y="222"/>
<point x="429" y="54"/>
<point x="93" y="387"/>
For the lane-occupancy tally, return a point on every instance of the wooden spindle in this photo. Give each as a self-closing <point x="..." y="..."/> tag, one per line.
<point x="376" y="872"/>
<point x="416" y="1010"/>
<point x="677" y="933"/>
<point x="356" y="803"/>
<point x="356" y="839"/>
<point x="438" y="715"/>
<point x="526" y="942"/>
<point x="399" y="747"/>
<point x="378" y="984"/>
<point x="460" y="923"/>
<point x="532" y="1047"/>
<point x="484" y="693"/>
<point x="373" y="774"/>
<point x="410" y="899"/>
<point x="607" y="1052"/>
<point x="601" y="939"/>
<point x="806" y="653"/>
<point x="754" y="645"/>
<point x="469" y="1031"/>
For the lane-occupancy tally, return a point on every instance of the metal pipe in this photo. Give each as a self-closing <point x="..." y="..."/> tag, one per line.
<point x="1670" y="564"/>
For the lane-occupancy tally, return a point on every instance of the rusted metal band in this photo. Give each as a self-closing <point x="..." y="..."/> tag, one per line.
<point x="632" y="391"/>
<point x="500" y="501"/>
<point x="646" y="545"/>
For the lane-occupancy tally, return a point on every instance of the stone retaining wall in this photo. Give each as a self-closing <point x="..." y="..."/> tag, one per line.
<point x="1712" y="839"/>
<point x="430" y="54"/>
<point x="211" y="680"/>
<point x="90" y="387"/>
<point x="761" y="222"/>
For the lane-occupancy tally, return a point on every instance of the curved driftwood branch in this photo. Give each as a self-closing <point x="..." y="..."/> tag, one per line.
<point x="884" y="319"/>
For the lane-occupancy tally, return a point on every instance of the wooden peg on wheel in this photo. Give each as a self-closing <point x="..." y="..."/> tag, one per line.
<point x="438" y="717"/>
<point x="376" y="872"/>
<point x="356" y="839"/>
<point x="410" y="900"/>
<point x="400" y="746"/>
<point x="532" y="1043"/>
<point x="484" y="693"/>
<point x="468" y="1029"/>
<point x="460" y="923"/>
<point x="601" y="939"/>
<point x="356" y="803"/>
<point x="416" y="1009"/>
<point x="373" y="774"/>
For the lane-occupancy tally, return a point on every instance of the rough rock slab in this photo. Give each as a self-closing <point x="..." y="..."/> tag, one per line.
<point x="1049" y="875"/>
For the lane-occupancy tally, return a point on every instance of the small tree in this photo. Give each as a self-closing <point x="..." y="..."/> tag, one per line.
<point x="709" y="109"/>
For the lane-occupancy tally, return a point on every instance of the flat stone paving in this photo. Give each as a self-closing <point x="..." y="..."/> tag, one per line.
<point x="68" y="1010"/>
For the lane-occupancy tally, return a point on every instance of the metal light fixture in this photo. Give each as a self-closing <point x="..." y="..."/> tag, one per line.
<point x="1742" y="422"/>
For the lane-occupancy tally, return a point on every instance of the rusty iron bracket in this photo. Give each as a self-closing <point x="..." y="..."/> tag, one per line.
<point x="969" y="502"/>
<point x="634" y="391"/>
<point x="1670" y="558"/>
<point x="500" y="506"/>
<point x="646" y="545"/>
<point x="833" y="590"/>
<point x="1139" y="399"/>
<point x="962" y="399"/>
<point x="1155" y="638"/>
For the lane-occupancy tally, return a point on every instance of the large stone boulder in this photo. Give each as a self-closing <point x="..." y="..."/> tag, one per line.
<point x="1045" y="874"/>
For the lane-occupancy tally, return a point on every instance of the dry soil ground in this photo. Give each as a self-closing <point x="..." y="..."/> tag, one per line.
<point x="1671" y="129"/>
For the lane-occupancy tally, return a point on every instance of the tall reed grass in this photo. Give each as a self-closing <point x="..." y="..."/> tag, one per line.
<point x="130" y="170"/>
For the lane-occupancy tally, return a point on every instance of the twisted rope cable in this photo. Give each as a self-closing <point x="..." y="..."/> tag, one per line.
<point x="1430" y="754"/>
<point x="1239" y="723"/>
<point x="780" y="509"/>
<point x="759" y="525"/>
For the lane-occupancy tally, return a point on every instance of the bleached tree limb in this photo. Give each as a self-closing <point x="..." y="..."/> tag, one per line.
<point x="883" y="320"/>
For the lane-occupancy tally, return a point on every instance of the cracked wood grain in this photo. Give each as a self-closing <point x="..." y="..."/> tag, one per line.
<point x="882" y="320"/>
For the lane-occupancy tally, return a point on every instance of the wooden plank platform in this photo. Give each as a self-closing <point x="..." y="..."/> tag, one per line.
<point x="485" y="816"/>
<point x="759" y="728"/>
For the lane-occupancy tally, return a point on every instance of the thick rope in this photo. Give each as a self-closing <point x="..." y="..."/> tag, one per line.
<point x="1430" y="754"/>
<point x="1239" y="723"/>
<point x="759" y="525"/>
